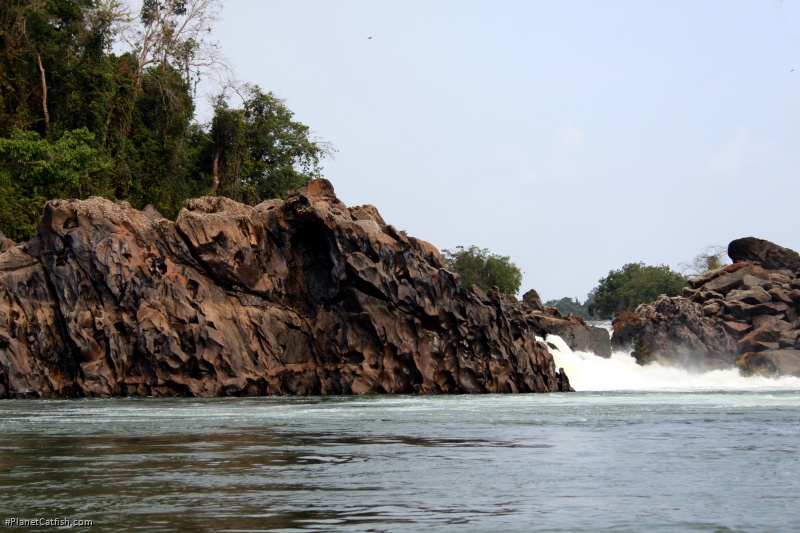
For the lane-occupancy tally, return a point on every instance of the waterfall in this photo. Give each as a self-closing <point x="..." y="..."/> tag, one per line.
<point x="588" y="372"/>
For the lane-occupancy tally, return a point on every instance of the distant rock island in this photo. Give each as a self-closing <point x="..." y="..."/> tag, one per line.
<point x="744" y="315"/>
<point x="303" y="296"/>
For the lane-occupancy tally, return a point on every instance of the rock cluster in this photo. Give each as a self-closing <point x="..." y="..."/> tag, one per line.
<point x="744" y="315"/>
<point x="571" y="328"/>
<point x="303" y="296"/>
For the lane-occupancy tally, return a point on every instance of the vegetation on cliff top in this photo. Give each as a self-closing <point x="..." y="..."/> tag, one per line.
<point x="478" y="266"/>
<point x="568" y="305"/>
<point x="621" y="290"/>
<point x="634" y="284"/>
<point x="96" y="100"/>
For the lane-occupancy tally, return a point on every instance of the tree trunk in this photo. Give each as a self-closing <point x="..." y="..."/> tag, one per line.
<point x="215" y="172"/>
<point x="44" y="97"/>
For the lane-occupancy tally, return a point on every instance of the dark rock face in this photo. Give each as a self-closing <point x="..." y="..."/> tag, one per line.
<point x="745" y="314"/>
<point x="549" y="321"/>
<point x="768" y="255"/>
<point x="304" y="296"/>
<point x="574" y="331"/>
<point x="571" y="328"/>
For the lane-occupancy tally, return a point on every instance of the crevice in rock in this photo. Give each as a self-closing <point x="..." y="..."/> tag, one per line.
<point x="69" y="364"/>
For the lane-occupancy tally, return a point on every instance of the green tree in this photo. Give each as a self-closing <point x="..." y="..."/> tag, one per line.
<point x="633" y="284"/>
<point x="153" y="161"/>
<point x="570" y="305"/>
<point x="58" y="75"/>
<point x="260" y="151"/>
<point x="34" y="170"/>
<point x="77" y="118"/>
<point x="49" y="49"/>
<point x="480" y="267"/>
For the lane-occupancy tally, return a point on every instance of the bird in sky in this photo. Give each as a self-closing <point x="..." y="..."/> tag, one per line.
<point x="369" y="38"/>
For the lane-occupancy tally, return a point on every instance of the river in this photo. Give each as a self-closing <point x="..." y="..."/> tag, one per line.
<point x="638" y="449"/>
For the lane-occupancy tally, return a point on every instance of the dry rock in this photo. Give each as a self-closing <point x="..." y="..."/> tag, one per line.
<point x="303" y="296"/>
<point x="744" y="315"/>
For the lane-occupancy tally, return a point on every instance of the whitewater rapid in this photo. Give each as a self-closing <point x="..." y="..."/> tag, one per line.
<point x="589" y="372"/>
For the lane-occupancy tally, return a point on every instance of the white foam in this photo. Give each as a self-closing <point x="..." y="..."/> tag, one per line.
<point x="589" y="372"/>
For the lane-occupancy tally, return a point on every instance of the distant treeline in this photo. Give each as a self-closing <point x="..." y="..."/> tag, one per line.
<point x="623" y="290"/>
<point x="96" y="100"/>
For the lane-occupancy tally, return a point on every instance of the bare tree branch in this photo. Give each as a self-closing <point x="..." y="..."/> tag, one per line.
<point x="176" y="33"/>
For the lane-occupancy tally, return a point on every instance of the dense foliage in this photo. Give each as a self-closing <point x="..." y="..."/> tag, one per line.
<point x="478" y="266"/>
<point x="571" y="305"/>
<point x="633" y="284"/>
<point x="82" y="115"/>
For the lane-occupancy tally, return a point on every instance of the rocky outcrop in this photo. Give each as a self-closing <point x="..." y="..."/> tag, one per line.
<point x="579" y="336"/>
<point x="574" y="331"/>
<point x="303" y="296"/>
<point x="5" y="243"/>
<point x="764" y="253"/>
<point x="745" y="314"/>
<point x="546" y="321"/>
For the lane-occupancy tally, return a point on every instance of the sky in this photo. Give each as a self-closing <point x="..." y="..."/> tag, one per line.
<point x="572" y="136"/>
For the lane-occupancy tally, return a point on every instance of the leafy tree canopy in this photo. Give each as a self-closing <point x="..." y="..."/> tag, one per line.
<point x="95" y="100"/>
<point x="260" y="151"/>
<point x="33" y="170"/>
<point x="634" y="284"/>
<point x="480" y="267"/>
<point x="570" y="305"/>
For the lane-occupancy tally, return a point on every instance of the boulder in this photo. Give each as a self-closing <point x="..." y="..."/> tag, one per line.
<point x="303" y="296"/>
<point x="675" y="331"/>
<point x="764" y="253"/>
<point x="5" y="243"/>
<point x="771" y="363"/>
<point x="743" y="315"/>
<point x="575" y="333"/>
<point x="764" y="338"/>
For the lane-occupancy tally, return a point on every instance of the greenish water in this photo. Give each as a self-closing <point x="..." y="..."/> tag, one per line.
<point x="710" y="460"/>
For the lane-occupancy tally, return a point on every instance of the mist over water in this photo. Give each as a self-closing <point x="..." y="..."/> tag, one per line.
<point x="588" y="372"/>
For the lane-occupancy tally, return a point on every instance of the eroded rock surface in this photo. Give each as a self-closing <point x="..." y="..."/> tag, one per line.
<point x="744" y="315"/>
<point x="5" y="243"/>
<point x="305" y="296"/>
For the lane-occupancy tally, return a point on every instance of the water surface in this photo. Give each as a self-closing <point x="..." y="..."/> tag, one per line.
<point x="688" y="460"/>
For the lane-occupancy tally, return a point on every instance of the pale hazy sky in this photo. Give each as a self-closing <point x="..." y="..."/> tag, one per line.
<point x="573" y="136"/>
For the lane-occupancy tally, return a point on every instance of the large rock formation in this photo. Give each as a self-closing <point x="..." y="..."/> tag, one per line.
<point x="745" y="314"/>
<point x="304" y="296"/>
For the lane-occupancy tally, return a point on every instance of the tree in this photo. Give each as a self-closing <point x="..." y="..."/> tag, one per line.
<point x="711" y="257"/>
<point x="260" y="151"/>
<point x="633" y="284"/>
<point x="48" y="50"/>
<point x="480" y="267"/>
<point x="175" y="33"/>
<point x="79" y="118"/>
<point x="569" y="305"/>
<point x="34" y="170"/>
<point x="153" y="162"/>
